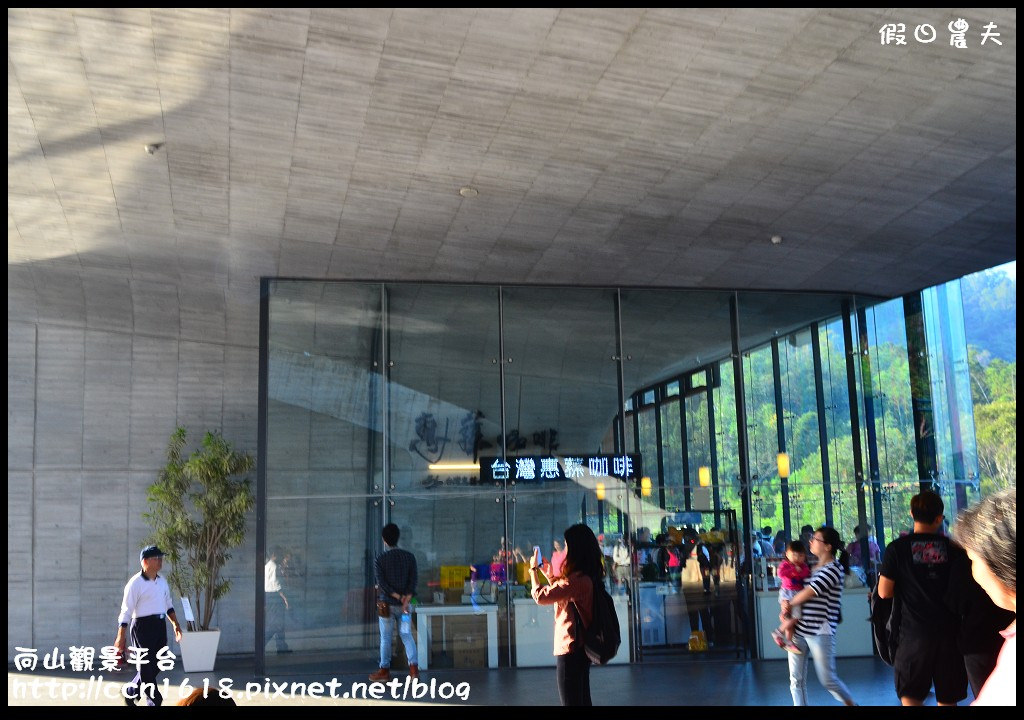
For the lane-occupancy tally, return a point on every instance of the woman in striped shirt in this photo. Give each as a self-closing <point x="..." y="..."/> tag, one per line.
<point x="816" y="630"/>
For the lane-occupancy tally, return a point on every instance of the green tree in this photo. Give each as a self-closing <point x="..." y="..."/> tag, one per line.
<point x="198" y="509"/>
<point x="1001" y="378"/>
<point x="996" y="427"/>
<point x="994" y="390"/>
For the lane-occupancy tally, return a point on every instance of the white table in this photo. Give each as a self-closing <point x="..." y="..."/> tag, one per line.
<point x="425" y="612"/>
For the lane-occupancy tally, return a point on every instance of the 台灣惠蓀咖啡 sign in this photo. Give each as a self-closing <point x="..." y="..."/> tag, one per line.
<point x="541" y="468"/>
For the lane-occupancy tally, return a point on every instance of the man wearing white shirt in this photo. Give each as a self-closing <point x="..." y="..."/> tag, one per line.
<point x="147" y="599"/>
<point x="277" y="603"/>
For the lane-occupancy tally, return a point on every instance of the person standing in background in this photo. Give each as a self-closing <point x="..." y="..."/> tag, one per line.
<point x="557" y="558"/>
<point x="874" y="552"/>
<point x="780" y="543"/>
<point x="864" y="567"/>
<point x="396" y="578"/>
<point x="620" y="558"/>
<point x="276" y="601"/>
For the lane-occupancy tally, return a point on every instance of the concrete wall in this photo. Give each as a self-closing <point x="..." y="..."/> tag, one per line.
<point x="100" y="371"/>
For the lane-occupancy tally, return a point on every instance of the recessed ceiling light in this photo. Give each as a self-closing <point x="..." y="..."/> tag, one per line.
<point x="468" y="191"/>
<point x="776" y="239"/>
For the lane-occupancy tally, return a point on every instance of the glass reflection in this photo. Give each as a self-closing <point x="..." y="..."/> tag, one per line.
<point x="443" y="390"/>
<point x="322" y="462"/>
<point x="417" y="369"/>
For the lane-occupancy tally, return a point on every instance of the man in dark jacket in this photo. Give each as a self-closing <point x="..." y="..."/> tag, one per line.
<point x="395" y="573"/>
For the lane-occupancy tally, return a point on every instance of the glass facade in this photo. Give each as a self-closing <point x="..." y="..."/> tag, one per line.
<point x="956" y="449"/>
<point x="322" y="458"/>
<point x="485" y="420"/>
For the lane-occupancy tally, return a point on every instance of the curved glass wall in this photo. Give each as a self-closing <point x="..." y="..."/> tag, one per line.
<point x="786" y="376"/>
<point x="686" y="542"/>
<point x="486" y="420"/>
<point x="792" y="487"/>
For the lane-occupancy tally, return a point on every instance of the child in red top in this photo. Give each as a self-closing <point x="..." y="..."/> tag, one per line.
<point x="793" y="571"/>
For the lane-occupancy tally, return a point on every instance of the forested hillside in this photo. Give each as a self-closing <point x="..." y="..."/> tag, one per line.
<point x="990" y="316"/>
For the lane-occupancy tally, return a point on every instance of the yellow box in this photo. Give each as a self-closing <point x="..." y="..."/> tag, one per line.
<point x="698" y="641"/>
<point x="452" y="576"/>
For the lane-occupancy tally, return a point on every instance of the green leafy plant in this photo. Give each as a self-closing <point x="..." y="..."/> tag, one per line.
<point x="197" y="509"/>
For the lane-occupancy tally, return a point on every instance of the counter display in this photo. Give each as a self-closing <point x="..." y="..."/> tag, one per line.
<point x="853" y="636"/>
<point x="535" y="632"/>
<point x="664" y="619"/>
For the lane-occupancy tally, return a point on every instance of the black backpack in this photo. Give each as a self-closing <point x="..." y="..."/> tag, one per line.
<point x="885" y="626"/>
<point x="601" y="638"/>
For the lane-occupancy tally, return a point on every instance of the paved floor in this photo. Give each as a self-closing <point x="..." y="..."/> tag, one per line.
<point x="673" y="683"/>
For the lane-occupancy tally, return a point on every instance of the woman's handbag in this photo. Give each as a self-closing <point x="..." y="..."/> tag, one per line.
<point x="383" y="609"/>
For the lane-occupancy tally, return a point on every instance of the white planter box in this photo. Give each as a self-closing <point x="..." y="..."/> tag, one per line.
<point x="199" y="650"/>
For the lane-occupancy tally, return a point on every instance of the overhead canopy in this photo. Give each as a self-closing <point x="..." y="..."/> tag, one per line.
<point x="654" y="147"/>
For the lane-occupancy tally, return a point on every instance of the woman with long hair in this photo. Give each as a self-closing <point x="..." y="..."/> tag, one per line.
<point x="815" y="631"/>
<point x="572" y="594"/>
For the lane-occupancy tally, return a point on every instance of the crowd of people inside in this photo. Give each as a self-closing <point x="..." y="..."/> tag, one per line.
<point x="953" y="588"/>
<point x="943" y="598"/>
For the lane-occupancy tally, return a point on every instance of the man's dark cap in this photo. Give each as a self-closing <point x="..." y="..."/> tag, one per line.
<point x="150" y="552"/>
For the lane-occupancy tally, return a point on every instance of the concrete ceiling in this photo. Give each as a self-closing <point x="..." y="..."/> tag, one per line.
<point x="609" y="147"/>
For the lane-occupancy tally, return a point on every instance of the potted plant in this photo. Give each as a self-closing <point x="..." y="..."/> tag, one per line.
<point x="197" y="509"/>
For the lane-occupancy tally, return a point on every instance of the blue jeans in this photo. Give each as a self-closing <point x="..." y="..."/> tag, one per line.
<point x="823" y="649"/>
<point x="386" y="626"/>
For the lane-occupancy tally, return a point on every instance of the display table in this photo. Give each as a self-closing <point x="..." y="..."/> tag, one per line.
<point x="853" y="635"/>
<point x="664" y="618"/>
<point x="423" y="630"/>
<point x="535" y="632"/>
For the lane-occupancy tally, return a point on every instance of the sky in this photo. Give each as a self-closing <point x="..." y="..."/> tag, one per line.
<point x="1009" y="268"/>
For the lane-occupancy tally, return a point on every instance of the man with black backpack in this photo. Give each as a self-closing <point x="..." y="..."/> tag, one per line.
<point x="917" y="570"/>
